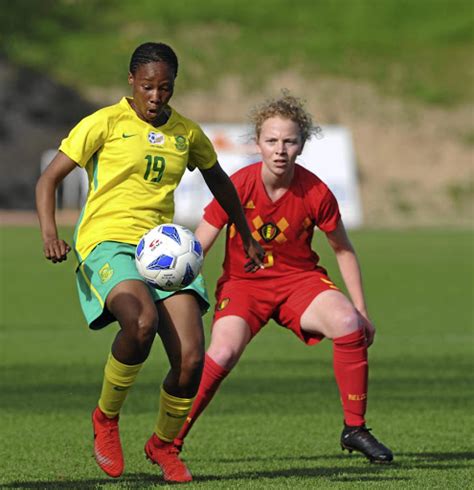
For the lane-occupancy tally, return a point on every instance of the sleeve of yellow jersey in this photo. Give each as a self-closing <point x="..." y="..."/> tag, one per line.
<point x="86" y="138"/>
<point x="201" y="152"/>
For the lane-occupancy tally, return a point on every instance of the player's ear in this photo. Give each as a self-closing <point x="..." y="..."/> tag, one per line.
<point x="130" y="78"/>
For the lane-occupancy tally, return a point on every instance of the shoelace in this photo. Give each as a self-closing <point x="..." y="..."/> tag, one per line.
<point x="366" y="435"/>
<point x="364" y="431"/>
<point x="173" y="450"/>
<point x="112" y="434"/>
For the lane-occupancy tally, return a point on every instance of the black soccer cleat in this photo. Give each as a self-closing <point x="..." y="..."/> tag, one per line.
<point x="360" y="439"/>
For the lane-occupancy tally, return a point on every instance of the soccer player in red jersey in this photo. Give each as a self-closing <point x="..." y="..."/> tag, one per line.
<point x="283" y="203"/>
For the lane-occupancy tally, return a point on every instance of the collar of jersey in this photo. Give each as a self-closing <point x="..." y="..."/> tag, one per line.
<point x="264" y="191"/>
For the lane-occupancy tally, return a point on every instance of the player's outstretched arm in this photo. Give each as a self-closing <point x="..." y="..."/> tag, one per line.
<point x="206" y="234"/>
<point x="224" y="191"/>
<point x="351" y="274"/>
<point x="55" y="249"/>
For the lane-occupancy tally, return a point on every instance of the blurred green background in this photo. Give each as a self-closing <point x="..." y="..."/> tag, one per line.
<point x="407" y="47"/>
<point x="397" y="73"/>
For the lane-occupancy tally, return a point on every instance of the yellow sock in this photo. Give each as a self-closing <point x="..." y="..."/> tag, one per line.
<point x="171" y="415"/>
<point x="118" y="378"/>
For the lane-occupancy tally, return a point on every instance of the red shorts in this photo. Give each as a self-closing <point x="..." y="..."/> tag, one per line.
<point x="284" y="300"/>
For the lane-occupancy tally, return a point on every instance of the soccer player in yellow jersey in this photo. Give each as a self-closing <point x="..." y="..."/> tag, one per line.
<point x="135" y="153"/>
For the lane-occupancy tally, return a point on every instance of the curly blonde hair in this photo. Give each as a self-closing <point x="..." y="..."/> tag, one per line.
<point x="286" y="106"/>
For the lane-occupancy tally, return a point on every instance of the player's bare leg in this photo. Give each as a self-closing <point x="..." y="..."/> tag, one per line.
<point x="131" y="303"/>
<point x="230" y="336"/>
<point x="182" y="334"/>
<point x="333" y="315"/>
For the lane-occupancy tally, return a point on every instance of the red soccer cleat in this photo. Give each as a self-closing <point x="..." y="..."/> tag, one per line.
<point x="178" y="444"/>
<point x="107" y="447"/>
<point x="166" y="456"/>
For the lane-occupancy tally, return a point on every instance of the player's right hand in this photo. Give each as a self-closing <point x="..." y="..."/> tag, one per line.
<point x="368" y="326"/>
<point x="56" y="250"/>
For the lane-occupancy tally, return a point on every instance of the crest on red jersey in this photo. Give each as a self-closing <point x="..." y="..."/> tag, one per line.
<point x="269" y="231"/>
<point x="223" y="304"/>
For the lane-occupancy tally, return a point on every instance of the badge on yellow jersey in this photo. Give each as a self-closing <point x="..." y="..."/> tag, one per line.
<point x="180" y="143"/>
<point x="156" y="138"/>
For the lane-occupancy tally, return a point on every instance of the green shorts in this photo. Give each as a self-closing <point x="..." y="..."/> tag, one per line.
<point x="109" y="264"/>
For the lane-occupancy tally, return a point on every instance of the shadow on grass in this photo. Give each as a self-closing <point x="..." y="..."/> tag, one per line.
<point x="134" y="480"/>
<point x="337" y="473"/>
<point x="425" y="457"/>
<point x="69" y="387"/>
<point x="429" y="456"/>
<point x="340" y="473"/>
<point x="142" y="480"/>
<point x="365" y="472"/>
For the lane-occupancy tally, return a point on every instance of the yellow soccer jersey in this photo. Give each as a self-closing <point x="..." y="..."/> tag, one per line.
<point x="133" y="170"/>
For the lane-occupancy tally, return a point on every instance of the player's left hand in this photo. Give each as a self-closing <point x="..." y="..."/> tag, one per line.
<point x="368" y="327"/>
<point x="55" y="249"/>
<point x="255" y="253"/>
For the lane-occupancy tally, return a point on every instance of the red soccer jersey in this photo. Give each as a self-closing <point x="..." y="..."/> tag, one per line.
<point x="284" y="228"/>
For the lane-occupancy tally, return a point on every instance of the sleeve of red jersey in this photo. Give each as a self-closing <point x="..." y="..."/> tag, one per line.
<point x="327" y="211"/>
<point x="213" y="212"/>
<point x="215" y="215"/>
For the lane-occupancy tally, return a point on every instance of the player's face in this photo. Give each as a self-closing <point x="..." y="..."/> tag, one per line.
<point x="152" y="88"/>
<point x="279" y="143"/>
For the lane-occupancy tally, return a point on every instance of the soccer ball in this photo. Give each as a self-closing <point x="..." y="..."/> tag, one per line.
<point x="169" y="257"/>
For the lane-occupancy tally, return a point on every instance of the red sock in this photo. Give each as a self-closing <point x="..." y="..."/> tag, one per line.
<point x="351" y="371"/>
<point x="212" y="376"/>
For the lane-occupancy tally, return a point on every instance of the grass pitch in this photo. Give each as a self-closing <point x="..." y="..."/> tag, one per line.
<point x="277" y="419"/>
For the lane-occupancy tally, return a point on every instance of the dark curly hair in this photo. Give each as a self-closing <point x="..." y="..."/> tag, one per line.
<point x="149" y="52"/>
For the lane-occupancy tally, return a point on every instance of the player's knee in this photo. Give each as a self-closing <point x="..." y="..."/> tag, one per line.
<point x="185" y="372"/>
<point x="145" y="330"/>
<point x="192" y="362"/>
<point x="344" y="322"/>
<point x="226" y="356"/>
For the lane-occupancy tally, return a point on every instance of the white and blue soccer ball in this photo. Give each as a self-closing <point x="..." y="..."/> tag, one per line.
<point x="169" y="257"/>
